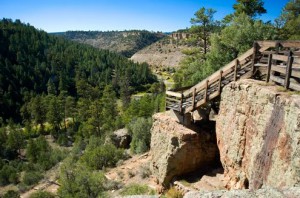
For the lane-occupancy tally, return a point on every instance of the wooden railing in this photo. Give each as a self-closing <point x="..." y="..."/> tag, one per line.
<point x="277" y="61"/>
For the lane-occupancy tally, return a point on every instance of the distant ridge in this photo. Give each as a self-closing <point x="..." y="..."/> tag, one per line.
<point x="126" y="42"/>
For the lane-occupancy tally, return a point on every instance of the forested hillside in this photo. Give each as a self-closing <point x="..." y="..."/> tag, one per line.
<point x="34" y="63"/>
<point x="56" y="95"/>
<point x="124" y="42"/>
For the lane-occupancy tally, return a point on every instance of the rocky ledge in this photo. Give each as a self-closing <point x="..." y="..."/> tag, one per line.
<point x="258" y="135"/>
<point x="268" y="192"/>
<point x="177" y="150"/>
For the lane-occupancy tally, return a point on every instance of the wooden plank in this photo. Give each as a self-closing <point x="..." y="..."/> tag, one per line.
<point x="236" y="69"/>
<point x="260" y="65"/>
<point x="296" y="60"/>
<point x="278" y="69"/>
<point x="213" y="95"/>
<point x="294" y="86"/>
<point x="220" y="81"/>
<point x="288" y="72"/>
<point x="290" y="44"/>
<point x="173" y="99"/>
<point x="181" y="102"/>
<point x="277" y="79"/>
<point x="280" y="57"/>
<point x="269" y="68"/>
<point x="246" y="54"/>
<point x="267" y="43"/>
<point x="206" y="89"/>
<point x="194" y="94"/>
<point x="255" y="48"/>
<point x="175" y="94"/>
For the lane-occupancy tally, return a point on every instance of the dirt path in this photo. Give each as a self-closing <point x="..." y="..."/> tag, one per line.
<point x="133" y="171"/>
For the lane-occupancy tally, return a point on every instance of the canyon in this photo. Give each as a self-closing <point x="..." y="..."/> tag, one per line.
<point x="256" y="139"/>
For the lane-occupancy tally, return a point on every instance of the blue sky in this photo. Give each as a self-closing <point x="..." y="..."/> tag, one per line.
<point x="152" y="15"/>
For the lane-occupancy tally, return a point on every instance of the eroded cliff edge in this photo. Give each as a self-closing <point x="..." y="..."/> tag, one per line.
<point x="258" y="135"/>
<point x="176" y="149"/>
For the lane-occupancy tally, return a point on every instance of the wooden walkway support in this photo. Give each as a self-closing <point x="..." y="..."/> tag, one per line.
<point x="276" y="61"/>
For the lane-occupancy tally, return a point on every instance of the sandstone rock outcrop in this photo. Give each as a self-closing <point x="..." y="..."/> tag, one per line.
<point x="121" y="138"/>
<point x="268" y="192"/>
<point x="177" y="150"/>
<point x="258" y="135"/>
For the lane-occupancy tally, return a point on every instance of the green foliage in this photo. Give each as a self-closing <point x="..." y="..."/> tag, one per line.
<point x="55" y="114"/>
<point x="135" y="40"/>
<point x="203" y="24"/>
<point x="109" y="108"/>
<point x="288" y="23"/>
<point x="106" y="155"/>
<point x="140" y="130"/>
<point x="31" y="178"/>
<point x="224" y="48"/>
<point x="174" y="193"/>
<point x="42" y="194"/>
<point x="77" y="181"/>
<point x="137" y="189"/>
<point x="252" y="8"/>
<point x="15" y="139"/>
<point x="8" y="174"/>
<point x="11" y="194"/>
<point x="144" y="107"/>
<point x="34" y="63"/>
<point x="40" y="153"/>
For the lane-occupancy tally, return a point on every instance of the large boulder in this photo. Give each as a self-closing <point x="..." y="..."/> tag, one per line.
<point x="258" y="135"/>
<point x="177" y="150"/>
<point x="121" y="138"/>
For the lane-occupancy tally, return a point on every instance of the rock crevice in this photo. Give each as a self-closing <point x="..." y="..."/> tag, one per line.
<point x="177" y="150"/>
<point x="258" y="136"/>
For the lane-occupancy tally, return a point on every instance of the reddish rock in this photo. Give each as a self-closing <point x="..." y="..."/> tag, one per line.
<point x="177" y="150"/>
<point x="258" y="135"/>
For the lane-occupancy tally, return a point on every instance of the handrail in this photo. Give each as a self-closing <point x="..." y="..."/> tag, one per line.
<point x="244" y="66"/>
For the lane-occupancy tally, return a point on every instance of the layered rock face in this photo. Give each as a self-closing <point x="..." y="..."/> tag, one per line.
<point x="258" y="135"/>
<point x="292" y="192"/>
<point x="177" y="150"/>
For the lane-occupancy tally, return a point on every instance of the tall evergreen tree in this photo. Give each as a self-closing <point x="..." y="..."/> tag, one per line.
<point x="289" y="20"/>
<point x="252" y="8"/>
<point x="202" y="25"/>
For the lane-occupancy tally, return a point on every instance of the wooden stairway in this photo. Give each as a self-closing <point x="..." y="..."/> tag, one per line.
<point x="277" y="61"/>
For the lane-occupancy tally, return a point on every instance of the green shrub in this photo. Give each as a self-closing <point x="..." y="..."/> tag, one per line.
<point x="11" y="194"/>
<point x="62" y="140"/>
<point x="137" y="189"/>
<point x="140" y="130"/>
<point x="174" y="193"/>
<point x="8" y="174"/>
<point x="31" y="178"/>
<point x="103" y="156"/>
<point x="42" y="194"/>
<point x="78" y="181"/>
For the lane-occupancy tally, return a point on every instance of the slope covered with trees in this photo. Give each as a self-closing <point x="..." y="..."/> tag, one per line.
<point x="56" y="93"/>
<point x="126" y="43"/>
<point x="34" y="63"/>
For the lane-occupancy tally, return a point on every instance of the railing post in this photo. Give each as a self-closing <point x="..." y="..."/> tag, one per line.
<point x="181" y="103"/>
<point x="235" y="69"/>
<point x="220" y="81"/>
<point x="194" y="97"/>
<point x="269" y="67"/>
<point x="288" y="71"/>
<point x="255" y="50"/>
<point x="206" y="90"/>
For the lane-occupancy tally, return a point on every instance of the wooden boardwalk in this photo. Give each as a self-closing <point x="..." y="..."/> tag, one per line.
<point x="273" y="61"/>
